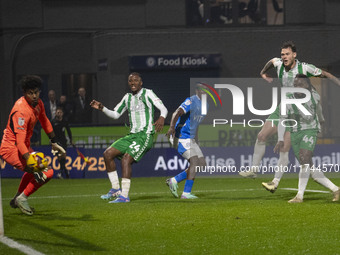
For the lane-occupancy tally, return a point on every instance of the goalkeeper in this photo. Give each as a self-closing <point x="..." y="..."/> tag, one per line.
<point x="15" y="146"/>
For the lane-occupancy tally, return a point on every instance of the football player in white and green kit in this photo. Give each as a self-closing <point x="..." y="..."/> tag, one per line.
<point x="287" y="67"/>
<point x="140" y="105"/>
<point x="303" y="134"/>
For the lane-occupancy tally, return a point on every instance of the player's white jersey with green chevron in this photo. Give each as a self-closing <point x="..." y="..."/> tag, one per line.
<point x="303" y="121"/>
<point x="140" y="108"/>
<point x="287" y="77"/>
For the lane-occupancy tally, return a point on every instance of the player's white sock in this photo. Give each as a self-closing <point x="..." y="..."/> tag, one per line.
<point x="259" y="150"/>
<point x="23" y="196"/>
<point x="303" y="179"/>
<point x="125" y="187"/>
<point x="320" y="178"/>
<point x="282" y="163"/>
<point x="113" y="176"/>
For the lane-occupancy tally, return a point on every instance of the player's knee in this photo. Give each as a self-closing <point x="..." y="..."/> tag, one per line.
<point x="193" y="161"/>
<point x="201" y="161"/>
<point x="126" y="160"/>
<point x="261" y="138"/>
<point x="108" y="154"/>
<point x="304" y="159"/>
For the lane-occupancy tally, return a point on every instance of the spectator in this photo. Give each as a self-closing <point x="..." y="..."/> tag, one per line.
<point x="82" y="108"/>
<point x="51" y="105"/>
<point x="67" y="108"/>
<point x="60" y="124"/>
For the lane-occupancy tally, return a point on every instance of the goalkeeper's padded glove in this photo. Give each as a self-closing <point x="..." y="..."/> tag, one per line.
<point x="40" y="177"/>
<point x="57" y="148"/>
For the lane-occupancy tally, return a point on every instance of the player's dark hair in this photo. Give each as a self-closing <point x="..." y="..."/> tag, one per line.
<point x="136" y="74"/>
<point x="30" y="82"/>
<point x="289" y="44"/>
<point x="305" y="77"/>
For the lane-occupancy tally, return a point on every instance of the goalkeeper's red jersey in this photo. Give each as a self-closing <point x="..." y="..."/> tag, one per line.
<point x="21" y="122"/>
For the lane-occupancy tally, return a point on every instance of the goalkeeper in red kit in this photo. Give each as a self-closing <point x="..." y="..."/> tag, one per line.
<point x="15" y="145"/>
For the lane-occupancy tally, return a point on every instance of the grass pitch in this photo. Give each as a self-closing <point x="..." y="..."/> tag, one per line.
<point x="231" y="216"/>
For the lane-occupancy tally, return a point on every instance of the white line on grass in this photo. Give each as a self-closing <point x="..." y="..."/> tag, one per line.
<point x="309" y="190"/>
<point x="166" y="192"/>
<point x="137" y="193"/>
<point x="15" y="245"/>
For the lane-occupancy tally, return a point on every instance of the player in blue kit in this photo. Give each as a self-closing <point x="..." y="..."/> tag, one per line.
<point x="183" y="136"/>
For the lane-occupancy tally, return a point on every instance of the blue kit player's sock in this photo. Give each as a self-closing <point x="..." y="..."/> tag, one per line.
<point x="181" y="176"/>
<point x="188" y="186"/>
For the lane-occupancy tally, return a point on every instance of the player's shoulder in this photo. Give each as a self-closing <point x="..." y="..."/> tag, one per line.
<point x="188" y="100"/>
<point x="305" y="64"/>
<point x="21" y="105"/>
<point x="148" y="92"/>
<point x="21" y="109"/>
<point x="276" y="61"/>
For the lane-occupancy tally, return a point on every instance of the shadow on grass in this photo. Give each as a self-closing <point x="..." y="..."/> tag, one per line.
<point x="70" y="241"/>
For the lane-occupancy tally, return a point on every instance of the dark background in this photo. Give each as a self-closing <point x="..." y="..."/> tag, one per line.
<point x="89" y="42"/>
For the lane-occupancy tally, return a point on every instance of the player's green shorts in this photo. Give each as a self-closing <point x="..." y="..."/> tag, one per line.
<point x="135" y="145"/>
<point x="304" y="139"/>
<point x="275" y="116"/>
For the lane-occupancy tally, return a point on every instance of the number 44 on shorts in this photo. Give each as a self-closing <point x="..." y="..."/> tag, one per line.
<point x="134" y="146"/>
<point x="308" y="140"/>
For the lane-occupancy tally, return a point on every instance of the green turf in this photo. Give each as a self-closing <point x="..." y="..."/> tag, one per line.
<point x="231" y="216"/>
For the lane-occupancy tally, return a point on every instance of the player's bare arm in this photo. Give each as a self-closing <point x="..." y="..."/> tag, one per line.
<point x="268" y="66"/>
<point x="97" y="105"/>
<point x="178" y="113"/>
<point x="331" y="77"/>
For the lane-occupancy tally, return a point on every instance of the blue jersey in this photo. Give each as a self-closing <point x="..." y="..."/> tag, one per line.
<point x="187" y="124"/>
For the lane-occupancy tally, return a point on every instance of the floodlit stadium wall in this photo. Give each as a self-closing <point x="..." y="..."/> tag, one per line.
<point x="167" y="162"/>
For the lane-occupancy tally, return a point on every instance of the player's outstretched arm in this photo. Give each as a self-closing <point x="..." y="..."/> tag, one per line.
<point x="263" y="73"/>
<point x="330" y="76"/>
<point x="97" y="105"/>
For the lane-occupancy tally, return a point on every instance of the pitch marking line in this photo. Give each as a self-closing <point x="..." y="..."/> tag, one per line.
<point x="309" y="190"/>
<point x="15" y="245"/>
<point x="136" y="193"/>
<point x="166" y="192"/>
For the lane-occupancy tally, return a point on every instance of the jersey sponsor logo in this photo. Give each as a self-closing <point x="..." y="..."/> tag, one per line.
<point x="21" y="121"/>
